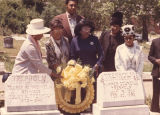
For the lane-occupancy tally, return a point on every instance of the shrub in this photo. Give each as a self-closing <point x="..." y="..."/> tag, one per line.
<point x="52" y="9"/>
<point x="98" y="12"/>
<point x="14" y="16"/>
<point x="8" y="62"/>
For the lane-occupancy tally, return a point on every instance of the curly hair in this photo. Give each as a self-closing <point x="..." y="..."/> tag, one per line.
<point x="56" y="23"/>
<point x="83" y="23"/>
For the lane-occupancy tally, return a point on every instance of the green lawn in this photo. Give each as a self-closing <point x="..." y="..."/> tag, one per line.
<point x="11" y="51"/>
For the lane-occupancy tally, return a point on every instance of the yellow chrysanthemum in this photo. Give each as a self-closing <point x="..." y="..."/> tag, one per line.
<point x="73" y="74"/>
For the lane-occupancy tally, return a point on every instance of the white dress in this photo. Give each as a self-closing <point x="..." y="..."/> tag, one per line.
<point x="129" y="58"/>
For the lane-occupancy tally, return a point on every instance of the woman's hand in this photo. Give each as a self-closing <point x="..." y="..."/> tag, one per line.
<point x="96" y="67"/>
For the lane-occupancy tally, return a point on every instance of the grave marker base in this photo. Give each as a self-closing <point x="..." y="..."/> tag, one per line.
<point x="51" y="112"/>
<point x="124" y="110"/>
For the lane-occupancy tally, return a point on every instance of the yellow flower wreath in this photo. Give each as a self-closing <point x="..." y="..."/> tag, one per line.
<point x="75" y="77"/>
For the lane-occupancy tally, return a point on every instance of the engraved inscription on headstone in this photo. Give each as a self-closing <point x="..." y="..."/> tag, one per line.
<point x="28" y="92"/>
<point x="119" y="88"/>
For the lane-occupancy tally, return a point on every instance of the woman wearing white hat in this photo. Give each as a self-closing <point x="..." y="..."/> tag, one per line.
<point x="29" y="58"/>
<point x="129" y="56"/>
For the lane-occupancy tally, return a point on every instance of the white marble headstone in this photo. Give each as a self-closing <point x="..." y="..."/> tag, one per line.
<point x="119" y="89"/>
<point x="29" y="92"/>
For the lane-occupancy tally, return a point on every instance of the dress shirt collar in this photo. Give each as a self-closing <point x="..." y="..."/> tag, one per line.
<point x="71" y="16"/>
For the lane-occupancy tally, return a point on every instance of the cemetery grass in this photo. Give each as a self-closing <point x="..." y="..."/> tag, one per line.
<point x="17" y="45"/>
<point x="10" y="51"/>
<point x="147" y="64"/>
<point x="148" y="101"/>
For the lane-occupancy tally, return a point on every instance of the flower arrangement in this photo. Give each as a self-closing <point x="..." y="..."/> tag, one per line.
<point x="74" y="75"/>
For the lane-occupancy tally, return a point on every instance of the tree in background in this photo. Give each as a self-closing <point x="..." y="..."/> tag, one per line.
<point x="38" y="4"/>
<point x="98" y="12"/>
<point x="143" y="9"/>
<point x="52" y="9"/>
<point x="14" y="16"/>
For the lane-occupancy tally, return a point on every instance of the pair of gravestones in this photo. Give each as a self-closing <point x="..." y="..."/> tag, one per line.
<point x="118" y="93"/>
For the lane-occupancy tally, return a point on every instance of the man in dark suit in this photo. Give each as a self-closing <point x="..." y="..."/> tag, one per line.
<point x="70" y="18"/>
<point x="109" y="41"/>
<point x="154" y="57"/>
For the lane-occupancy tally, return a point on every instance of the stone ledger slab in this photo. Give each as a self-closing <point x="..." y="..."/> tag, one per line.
<point x="124" y="110"/>
<point x="119" y="89"/>
<point x="51" y="112"/>
<point x="29" y="92"/>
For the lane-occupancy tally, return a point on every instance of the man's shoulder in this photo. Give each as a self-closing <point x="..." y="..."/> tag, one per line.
<point x="155" y="40"/>
<point x="60" y="16"/>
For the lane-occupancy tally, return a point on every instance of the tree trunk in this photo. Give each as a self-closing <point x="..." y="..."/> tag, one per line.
<point x="145" y="28"/>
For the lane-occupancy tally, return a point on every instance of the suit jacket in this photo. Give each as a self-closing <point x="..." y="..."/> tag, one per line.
<point x="64" y="20"/>
<point x="153" y="55"/>
<point x="122" y="59"/>
<point x="28" y="60"/>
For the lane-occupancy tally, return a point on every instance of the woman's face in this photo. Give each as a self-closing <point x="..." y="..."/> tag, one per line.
<point x="129" y="40"/>
<point x="37" y="37"/>
<point x="115" y="29"/>
<point x="85" y="32"/>
<point x="57" y="33"/>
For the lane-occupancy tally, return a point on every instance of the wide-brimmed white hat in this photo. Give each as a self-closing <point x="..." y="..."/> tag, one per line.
<point x="36" y="27"/>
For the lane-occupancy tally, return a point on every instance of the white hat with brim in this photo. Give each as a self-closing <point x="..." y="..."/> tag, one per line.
<point x="36" y="27"/>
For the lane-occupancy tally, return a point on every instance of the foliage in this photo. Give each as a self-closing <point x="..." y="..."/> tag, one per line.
<point x="143" y="9"/>
<point x="38" y="4"/>
<point x="98" y="12"/>
<point x="51" y="10"/>
<point x="15" y="16"/>
<point x="8" y="62"/>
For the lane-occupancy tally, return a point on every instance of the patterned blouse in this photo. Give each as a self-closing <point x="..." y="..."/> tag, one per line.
<point x="57" y="52"/>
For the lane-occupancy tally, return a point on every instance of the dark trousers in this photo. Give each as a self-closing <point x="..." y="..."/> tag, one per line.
<point x="156" y="93"/>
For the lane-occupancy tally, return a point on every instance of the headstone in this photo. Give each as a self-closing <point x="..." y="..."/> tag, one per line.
<point x="8" y="42"/>
<point x="30" y="93"/>
<point x="119" y="92"/>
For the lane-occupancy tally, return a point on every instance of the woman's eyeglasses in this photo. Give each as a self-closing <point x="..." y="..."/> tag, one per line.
<point x="129" y="38"/>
